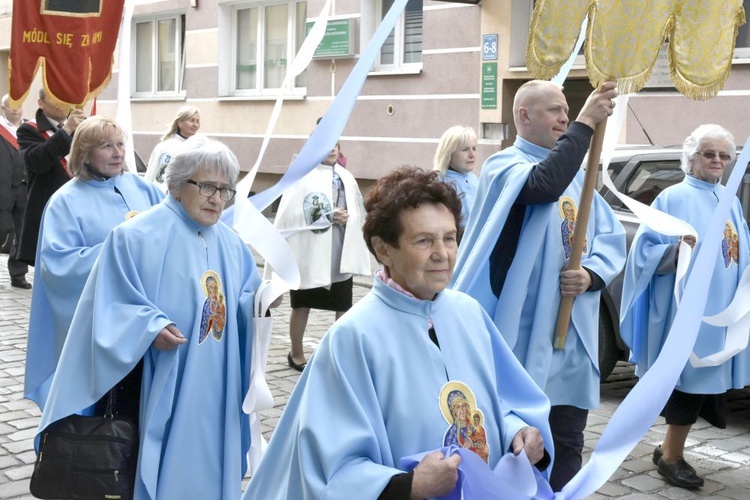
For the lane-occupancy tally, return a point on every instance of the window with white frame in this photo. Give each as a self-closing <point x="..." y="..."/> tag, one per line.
<point x="266" y="36"/>
<point x="742" y="48"/>
<point x="6" y="7"/>
<point x="159" y="62"/>
<point x="403" y="47"/>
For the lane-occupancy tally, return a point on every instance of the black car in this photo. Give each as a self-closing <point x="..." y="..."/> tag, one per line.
<point x="641" y="173"/>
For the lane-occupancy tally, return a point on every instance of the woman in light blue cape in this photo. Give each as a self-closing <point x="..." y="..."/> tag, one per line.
<point x="409" y="369"/>
<point x="77" y="219"/>
<point x="648" y="304"/>
<point x="455" y="159"/>
<point x="173" y="287"/>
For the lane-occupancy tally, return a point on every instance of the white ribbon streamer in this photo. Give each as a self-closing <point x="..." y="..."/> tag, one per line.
<point x="252" y="226"/>
<point x="736" y="318"/>
<point x="301" y="62"/>
<point x="124" y="114"/>
<point x="655" y="219"/>
<point x="321" y="223"/>
<point x="259" y="396"/>
<point x="638" y="410"/>
<point x="561" y="75"/>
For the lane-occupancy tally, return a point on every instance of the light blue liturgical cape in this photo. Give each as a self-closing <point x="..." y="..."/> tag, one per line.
<point x="648" y="304"/>
<point x="77" y="219"/>
<point x="194" y="435"/>
<point x="526" y="311"/>
<point x="466" y="187"/>
<point x="370" y="396"/>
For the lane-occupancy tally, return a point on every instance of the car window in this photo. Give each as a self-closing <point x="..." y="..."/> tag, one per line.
<point x="651" y="178"/>
<point x="615" y="167"/>
<point x="614" y="170"/>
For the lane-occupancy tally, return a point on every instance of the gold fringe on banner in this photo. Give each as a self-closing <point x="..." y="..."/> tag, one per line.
<point x="623" y="41"/>
<point x="556" y="33"/>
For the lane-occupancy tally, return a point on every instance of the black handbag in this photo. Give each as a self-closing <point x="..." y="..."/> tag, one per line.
<point x="86" y="458"/>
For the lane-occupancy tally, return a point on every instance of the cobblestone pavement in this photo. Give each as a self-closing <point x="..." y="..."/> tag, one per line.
<point x="721" y="456"/>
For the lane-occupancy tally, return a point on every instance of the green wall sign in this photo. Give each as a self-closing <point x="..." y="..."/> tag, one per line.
<point x="489" y="85"/>
<point x="338" y="40"/>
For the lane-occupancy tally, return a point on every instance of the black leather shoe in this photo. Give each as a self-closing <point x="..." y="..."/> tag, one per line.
<point x="658" y="454"/>
<point x="679" y="474"/>
<point x="299" y="367"/>
<point x="20" y="283"/>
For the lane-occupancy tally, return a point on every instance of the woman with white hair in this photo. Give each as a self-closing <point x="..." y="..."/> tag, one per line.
<point x="185" y="124"/>
<point x="173" y="287"/>
<point x="455" y="159"/>
<point x="648" y="303"/>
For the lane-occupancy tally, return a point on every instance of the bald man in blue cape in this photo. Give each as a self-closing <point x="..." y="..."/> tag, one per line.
<point x="512" y="258"/>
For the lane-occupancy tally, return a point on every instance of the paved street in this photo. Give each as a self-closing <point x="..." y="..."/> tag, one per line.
<point x="722" y="457"/>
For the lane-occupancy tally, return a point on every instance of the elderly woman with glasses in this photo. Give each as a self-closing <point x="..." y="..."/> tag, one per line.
<point x="404" y="371"/>
<point x="648" y="303"/>
<point x="173" y="287"/>
<point x="76" y="221"/>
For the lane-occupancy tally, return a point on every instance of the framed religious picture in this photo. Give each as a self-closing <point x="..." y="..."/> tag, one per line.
<point x="72" y="7"/>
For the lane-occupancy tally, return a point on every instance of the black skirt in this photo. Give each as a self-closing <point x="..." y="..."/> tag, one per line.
<point x="684" y="409"/>
<point x="336" y="298"/>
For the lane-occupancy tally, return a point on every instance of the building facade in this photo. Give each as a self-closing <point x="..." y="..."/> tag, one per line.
<point x="446" y="63"/>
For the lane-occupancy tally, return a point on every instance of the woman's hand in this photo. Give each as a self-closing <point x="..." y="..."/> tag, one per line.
<point x="689" y="239"/>
<point x="435" y="475"/>
<point x="530" y="440"/>
<point x="276" y="303"/>
<point x="340" y="216"/>
<point x="169" y="338"/>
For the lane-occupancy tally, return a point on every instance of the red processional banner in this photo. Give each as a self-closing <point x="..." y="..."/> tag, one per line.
<point x="73" y="42"/>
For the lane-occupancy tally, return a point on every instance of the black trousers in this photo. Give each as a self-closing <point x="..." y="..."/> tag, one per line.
<point x="567" y="424"/>
<point x="16" y="269"/>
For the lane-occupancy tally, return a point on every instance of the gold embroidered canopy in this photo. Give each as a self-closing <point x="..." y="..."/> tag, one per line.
<point x="624" y="37"/>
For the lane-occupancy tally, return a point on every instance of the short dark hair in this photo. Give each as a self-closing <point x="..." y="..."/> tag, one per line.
<point x="402" y="188"/>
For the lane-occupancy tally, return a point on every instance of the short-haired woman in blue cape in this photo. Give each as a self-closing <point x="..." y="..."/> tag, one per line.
<point x="174" y="287"/>
<point x="455" y="159"/>
<point x="404" y="371"/>
<point x="648" y="304"/>
<point x="77" y="219"/>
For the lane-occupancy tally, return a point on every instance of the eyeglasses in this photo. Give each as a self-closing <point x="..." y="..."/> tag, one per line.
<point x="710" y="155"/>
<point x="208" y="190"/>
